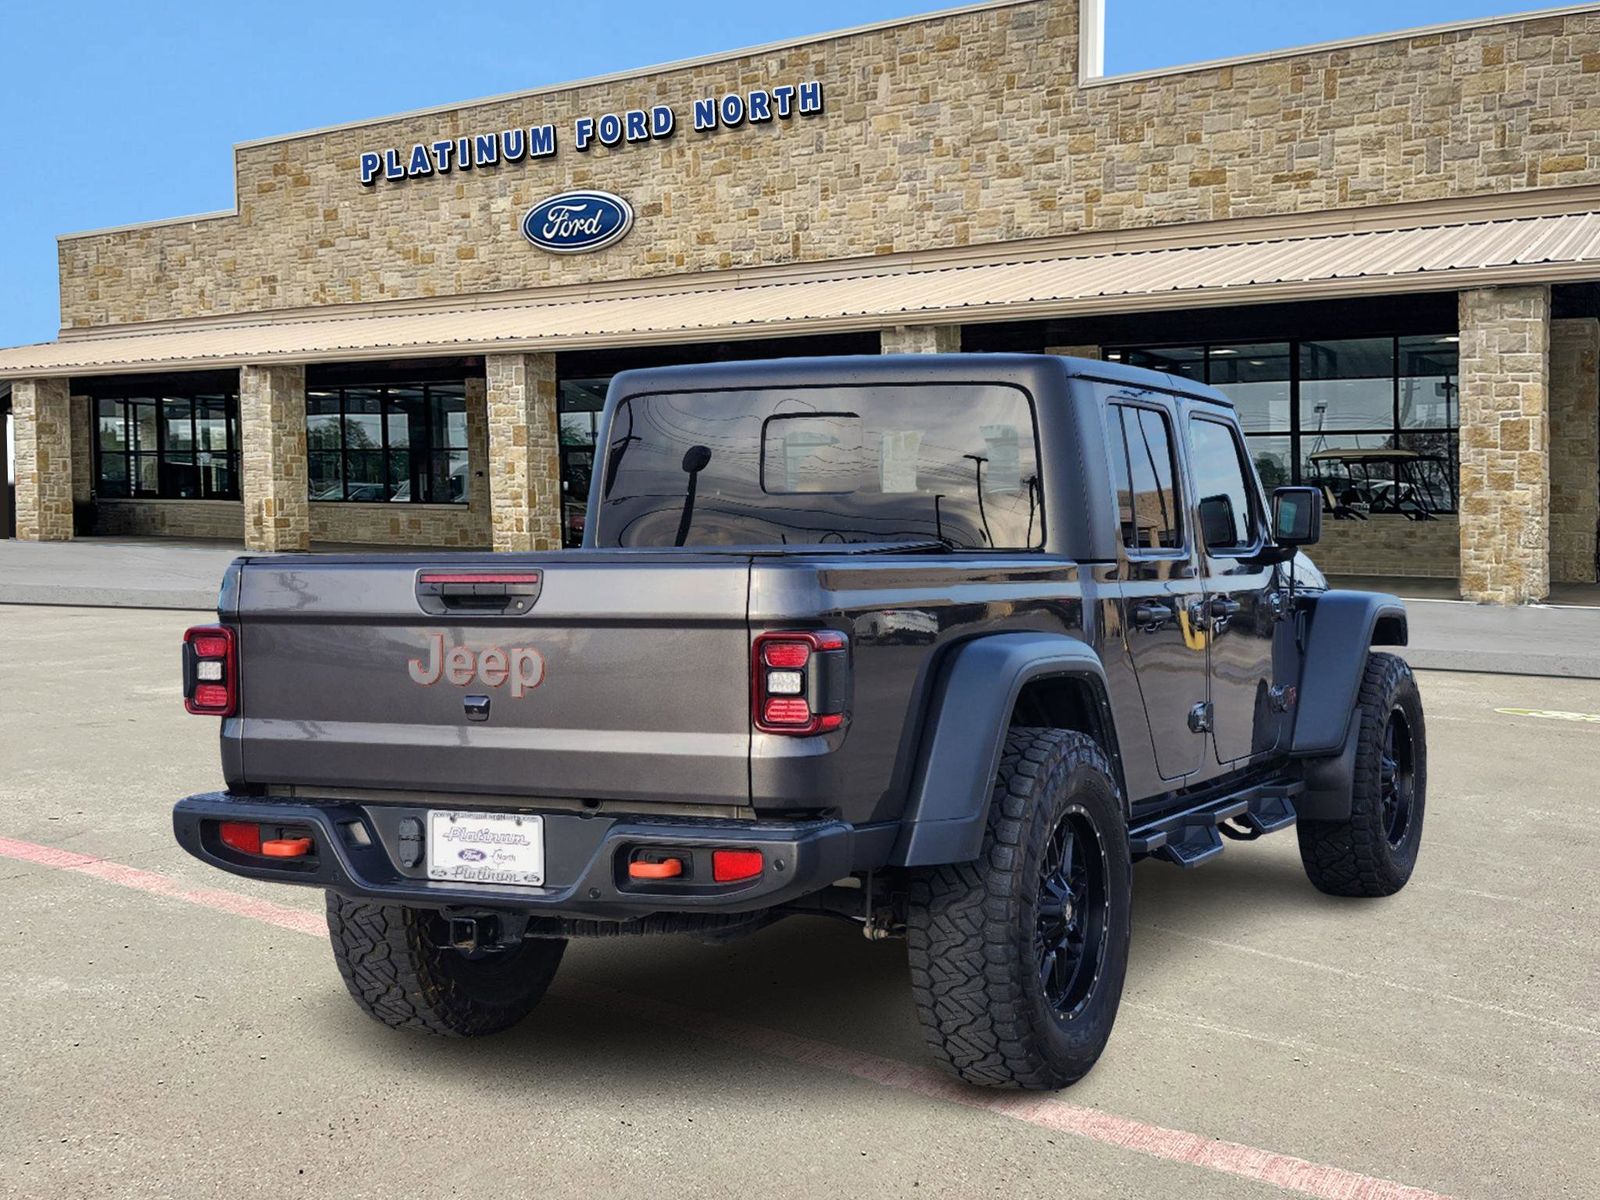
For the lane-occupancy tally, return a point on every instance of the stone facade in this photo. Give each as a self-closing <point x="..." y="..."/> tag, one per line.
<point x="82" y="449"/>
<point x="273" y="468"/>
<point x="921" y="339"/>
<point x="222" y="520"/>
<point x="954" y="130"/>
<point x="1505" y="444"/>
<point x="1574" y="449"/>
<point x="1074" y="351"/>
<point x="42" y="431"/>
<point x="524" y="452"/>
<point x="1390" y="545"/>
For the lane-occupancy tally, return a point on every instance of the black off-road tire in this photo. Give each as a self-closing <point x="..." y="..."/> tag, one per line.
<point x="400" y="971"/>
<point x="1369" y="854"/>
<point x="974" y="930"/>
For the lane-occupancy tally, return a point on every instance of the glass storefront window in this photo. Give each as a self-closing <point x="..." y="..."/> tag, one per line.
<point x="1429" y="386"/>
<point x="1186" y="362"/>
<point x="1347" y="385"/>
<point x="388" y="444"/>
<point x="175" y="446"/>
<point x="1256" y="379"/>
<point x="1298" y="399"/>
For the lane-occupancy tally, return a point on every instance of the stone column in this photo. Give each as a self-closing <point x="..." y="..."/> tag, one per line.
<point x="478" y="461"/>
<point x="82" y="448"/>
<point x="1574" y="449"/>
<point x="274" y="475"/>
<point x="1074" y="351"/>
<point x="1505" y="444"/>
<point x="524" y="452"/>
<point x="41" y="422"/>
<point x="921" y="339"/>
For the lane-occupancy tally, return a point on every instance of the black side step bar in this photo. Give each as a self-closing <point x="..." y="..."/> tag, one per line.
<point x="1191" y="837"/>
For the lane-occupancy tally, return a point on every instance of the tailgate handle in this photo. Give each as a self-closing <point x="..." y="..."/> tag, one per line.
<point x="483" y="592"/>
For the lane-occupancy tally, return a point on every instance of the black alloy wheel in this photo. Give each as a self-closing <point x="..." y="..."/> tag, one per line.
<point x="1397" y="778"/>
<point x="1071" y="915"/>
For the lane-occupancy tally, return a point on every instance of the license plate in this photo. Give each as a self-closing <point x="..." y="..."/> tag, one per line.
<point x="478" y="847"/>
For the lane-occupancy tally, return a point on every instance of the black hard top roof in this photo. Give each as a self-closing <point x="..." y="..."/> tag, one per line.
<point x="1028" y="370"/>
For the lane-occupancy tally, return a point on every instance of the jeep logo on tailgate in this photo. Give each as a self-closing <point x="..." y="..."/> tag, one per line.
<point x="520" y="666"/>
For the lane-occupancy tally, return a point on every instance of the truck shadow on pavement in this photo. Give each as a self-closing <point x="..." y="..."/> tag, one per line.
<point x="806" y="977"/>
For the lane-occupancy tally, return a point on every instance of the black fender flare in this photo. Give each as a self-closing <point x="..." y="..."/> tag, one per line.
<point x="1340" y="628"/>
<point x="964" y="735"/>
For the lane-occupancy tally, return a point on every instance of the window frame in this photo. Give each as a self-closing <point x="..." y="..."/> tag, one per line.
<point x="1180" y="484"/>
<point x="1301" y="439"/>
<point x="133" y="451"/>
<point x="419" y="458"/>
<point x="1252" y="485"/>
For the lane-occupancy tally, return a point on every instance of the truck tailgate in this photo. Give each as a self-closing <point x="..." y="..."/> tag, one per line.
<point x="626" y="677"/>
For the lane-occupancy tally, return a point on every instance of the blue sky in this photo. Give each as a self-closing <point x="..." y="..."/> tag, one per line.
<point x="114" y="112"/>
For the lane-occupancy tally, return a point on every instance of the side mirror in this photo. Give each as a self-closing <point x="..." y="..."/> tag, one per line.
<point x="1217" y="529"/>
<point x="1296" y="516"/>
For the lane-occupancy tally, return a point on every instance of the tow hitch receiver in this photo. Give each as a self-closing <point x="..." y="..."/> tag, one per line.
<point x="473" y="933"/>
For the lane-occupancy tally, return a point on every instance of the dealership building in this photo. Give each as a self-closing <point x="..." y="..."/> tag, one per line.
<point x="1385" y="250"/>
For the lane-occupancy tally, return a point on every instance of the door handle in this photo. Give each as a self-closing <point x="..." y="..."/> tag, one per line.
<point x="1148" y="612"/>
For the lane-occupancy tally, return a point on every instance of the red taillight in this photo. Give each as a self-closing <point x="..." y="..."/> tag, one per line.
<point x="798" y="682"/>
<point x="780" y="711"/>
<point x="786" y="654"/>
<point x="479" y="577"/>
<point x="209" y="645"/>
<point x="241" y="836"/>
<point x="210" y="671"/>
<point x="209" y="697"/>
<point x="730" y="866"/>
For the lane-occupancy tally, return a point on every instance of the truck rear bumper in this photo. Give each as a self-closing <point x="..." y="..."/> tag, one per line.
<point x="357" y="850"/>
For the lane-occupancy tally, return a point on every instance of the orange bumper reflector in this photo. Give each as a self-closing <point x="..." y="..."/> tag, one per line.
<point x="669" y="869"/>
<point x="287" y="848"/>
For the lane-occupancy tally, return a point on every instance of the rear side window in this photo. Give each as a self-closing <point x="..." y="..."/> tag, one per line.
<point x="1228" y="517"/>
<point x="1145" y="474"/>
<point x="799" y="466"/>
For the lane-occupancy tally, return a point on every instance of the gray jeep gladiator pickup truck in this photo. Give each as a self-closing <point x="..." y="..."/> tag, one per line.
<point x="939" y="645"/>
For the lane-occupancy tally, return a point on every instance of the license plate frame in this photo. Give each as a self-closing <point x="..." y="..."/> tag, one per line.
<point x="499" y="849"/>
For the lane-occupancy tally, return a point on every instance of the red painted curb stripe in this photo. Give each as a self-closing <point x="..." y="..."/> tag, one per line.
<point x="1123" y="1133"/>
<point x="163" y="885"/>
<point x="1175" y="1145"/>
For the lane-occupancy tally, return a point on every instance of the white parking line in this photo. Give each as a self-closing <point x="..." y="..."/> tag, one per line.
<point x="1384" y="981"/>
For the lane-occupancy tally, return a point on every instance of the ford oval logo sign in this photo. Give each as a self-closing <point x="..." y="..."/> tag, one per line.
<point x="578" y="222"/>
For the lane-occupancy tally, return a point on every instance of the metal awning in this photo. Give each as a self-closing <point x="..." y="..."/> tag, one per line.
<point x="1538" y="249"/>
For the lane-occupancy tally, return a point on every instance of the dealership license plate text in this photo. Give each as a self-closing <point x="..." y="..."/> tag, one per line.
<point x="469" y="847"/>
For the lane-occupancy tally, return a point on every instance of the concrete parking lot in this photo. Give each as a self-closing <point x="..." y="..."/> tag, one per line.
<point x="170" y="1031"/>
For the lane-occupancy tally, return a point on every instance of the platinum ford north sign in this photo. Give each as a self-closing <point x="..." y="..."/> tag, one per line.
<point x="491" y="148"/>
<point x="578" y="222"/>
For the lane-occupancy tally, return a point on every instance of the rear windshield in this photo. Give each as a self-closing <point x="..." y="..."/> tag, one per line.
<point x="809" y="466"/>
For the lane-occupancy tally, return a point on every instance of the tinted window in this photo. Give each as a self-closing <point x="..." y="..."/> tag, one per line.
<point x="820" y="465"/>
<point x="172" y="447"/>
<point x="388" y="443"/>
<point x="1144" y="472"/>
<point x="1227" y="508"/>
